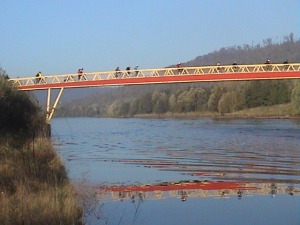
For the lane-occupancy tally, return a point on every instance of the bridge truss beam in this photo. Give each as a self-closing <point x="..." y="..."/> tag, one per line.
<point x="163" y="75"/>
<point x="154" y="76"/>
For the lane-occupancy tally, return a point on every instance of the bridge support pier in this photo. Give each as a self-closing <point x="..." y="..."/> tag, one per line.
<point x="50" y="110"/>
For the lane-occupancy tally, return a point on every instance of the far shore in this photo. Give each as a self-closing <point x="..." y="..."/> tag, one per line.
<point x="283" y="111"/>
<point x="212" y="116"/>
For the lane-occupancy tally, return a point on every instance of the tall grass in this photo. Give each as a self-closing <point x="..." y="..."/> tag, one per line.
<point x="49" y="205"/>
<point x="34" y="187"/>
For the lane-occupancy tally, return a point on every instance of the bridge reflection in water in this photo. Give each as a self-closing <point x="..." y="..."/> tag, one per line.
<point x="194" y="189"/>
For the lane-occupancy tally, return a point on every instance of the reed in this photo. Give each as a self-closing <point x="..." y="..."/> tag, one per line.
<point x="48" y="206"/>
<point x="34" y="187"/>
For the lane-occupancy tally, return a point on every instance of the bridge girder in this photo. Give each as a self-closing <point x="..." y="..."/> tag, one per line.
<point x="154" y="76"/>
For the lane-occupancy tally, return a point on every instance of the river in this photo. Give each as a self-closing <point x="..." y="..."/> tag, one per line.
<point x="185" y="171"/>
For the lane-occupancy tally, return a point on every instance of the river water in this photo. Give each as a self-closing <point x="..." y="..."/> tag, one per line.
<point x="185" y="171"/>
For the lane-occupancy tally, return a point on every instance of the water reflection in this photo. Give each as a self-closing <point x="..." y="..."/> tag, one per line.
<point x="204" y="165"/>
<point x="194" y="189"/>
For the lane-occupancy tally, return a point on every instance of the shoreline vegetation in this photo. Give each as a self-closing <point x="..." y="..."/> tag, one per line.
<point x="34" y="186"/>
<point x="282" y="111"/>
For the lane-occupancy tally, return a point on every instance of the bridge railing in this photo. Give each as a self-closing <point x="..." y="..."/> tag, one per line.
<point x="183" y="71"/>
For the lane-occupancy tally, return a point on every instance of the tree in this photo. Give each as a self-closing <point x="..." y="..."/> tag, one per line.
<point x="134" y="107"/>
<point x="124" y="109"/>
<point x="145" y="104"/>
<point x="267" y="93"/>
<point x="162" y="104"/>
<point x="296" y="96"/>
<point x="228" y="103"/>
<point x="214" y="98"/>
<point x="173" y="103"/>
<point x="201" y="99"/>
<point x="20" y="118"/>
<point x="114" y="109"/>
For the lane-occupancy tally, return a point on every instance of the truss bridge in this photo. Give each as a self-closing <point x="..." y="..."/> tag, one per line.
<point x="154" y="76"/>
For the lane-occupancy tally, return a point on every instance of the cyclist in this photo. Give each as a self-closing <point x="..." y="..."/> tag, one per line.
<point x="79" y="73"/>
<point x="136" y="70"/>
<point x="117" y="72"/>
<point x="179" y="68"/>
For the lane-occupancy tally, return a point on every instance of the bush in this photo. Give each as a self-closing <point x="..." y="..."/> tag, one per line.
<point x="20" y="118"/>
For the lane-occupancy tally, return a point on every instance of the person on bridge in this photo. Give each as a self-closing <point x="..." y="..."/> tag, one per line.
<point x="234" y="66"/>
<point x="38" y="77"/>
<point x="179" y="68"/>
<point x="136" y="70"/>
<point x="286" y="66"/>
<point x="268" y="67"/>
<point x="117" y="72"/>
<point x="268" y="61"/>
<point x="128" y="71"/>
<point x="218" y="67"/>
<point x="79" y="73"/>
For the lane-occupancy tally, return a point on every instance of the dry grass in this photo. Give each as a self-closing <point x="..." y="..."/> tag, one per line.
<point x="34" y="187"/>
<point x="49" y="206"/>
<point x="282" y="111"/>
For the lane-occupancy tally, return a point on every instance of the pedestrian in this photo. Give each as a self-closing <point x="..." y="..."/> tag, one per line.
<point x="136" y="70"/>
<point x="218" y="67"/>
<point x="286" y="62"/>
<point x="79" y="73"/>
<point x="117" y="72"/>
<point x="234" y="66"/>
<point x="179" y="69"/>
<point x="38" y="77"/>
<point x="128" y="71"/>
<point x="268" y="67"/>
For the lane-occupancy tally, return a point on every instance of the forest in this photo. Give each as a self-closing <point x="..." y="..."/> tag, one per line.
<point x="213" y="98"/>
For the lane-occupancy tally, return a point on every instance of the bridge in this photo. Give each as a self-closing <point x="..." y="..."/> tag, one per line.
<point x="154" y="76"/>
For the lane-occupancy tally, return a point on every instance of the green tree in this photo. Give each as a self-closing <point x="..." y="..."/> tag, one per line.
<point x="296" y="96"/>
<point x="201" y="99"/>
<point x="124" y="109"/>
<point x="267" y="93"/>
<point x="228" y="103"/>
<point x="183" y="102"/>
<point x="145" y="104"/>
<point x="213" y="101"/>
<point x="162" y="104"/>
<point x="20" y="118"/>
<point x="134" y="107"/>
<point x="114" y="109"/>
<point x="173" y="103"/>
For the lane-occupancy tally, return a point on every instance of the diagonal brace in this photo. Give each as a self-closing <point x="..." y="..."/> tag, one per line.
<point x="50" y="112"/>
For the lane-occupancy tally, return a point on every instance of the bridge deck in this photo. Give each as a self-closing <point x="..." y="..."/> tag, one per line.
<point x="163" y="75"/>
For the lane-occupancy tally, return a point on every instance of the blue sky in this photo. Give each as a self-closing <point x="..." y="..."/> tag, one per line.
<point x="60" y="36"/>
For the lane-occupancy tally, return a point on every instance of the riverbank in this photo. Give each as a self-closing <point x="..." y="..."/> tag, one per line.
<point x="283" y="111"/>
<point x="34" y="187"/>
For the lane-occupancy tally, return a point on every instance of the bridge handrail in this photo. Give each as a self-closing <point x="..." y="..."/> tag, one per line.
<point x="141" y="73"/>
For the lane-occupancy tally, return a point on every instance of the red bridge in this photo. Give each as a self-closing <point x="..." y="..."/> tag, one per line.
<point x="155" y="76"/>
